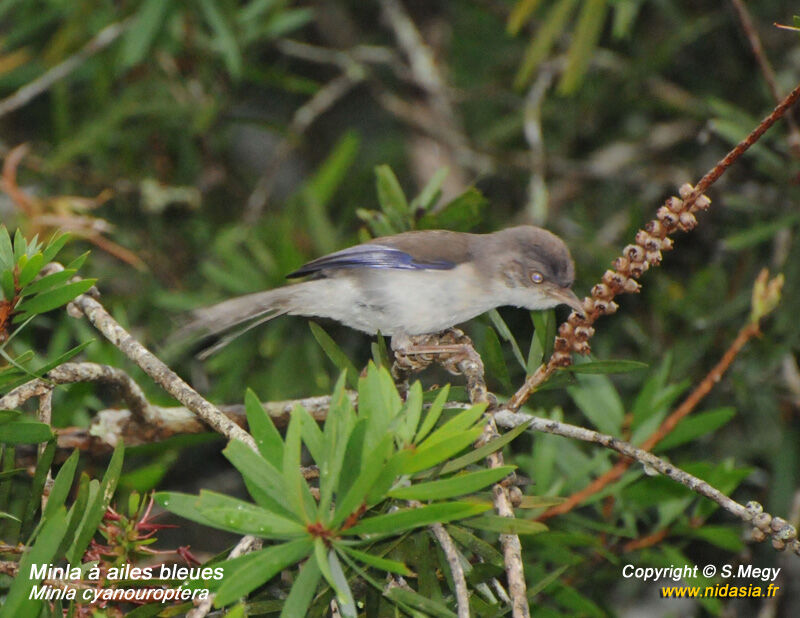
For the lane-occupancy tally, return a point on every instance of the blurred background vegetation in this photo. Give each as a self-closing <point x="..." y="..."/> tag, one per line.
<point x="204" y="149"/>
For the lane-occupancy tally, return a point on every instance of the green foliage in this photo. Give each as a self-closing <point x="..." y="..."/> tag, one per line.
<point x="368" y="460"/>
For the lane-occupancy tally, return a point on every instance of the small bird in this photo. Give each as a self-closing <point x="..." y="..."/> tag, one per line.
<point x="413" y="283"/>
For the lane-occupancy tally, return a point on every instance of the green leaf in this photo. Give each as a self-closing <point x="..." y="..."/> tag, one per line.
<point x="225" y="37"/>
<point x="696" y="425"/>
<point x="434" y="412"/>
<point x="52" y="299"/>
<point x="483" y="451"/>
<point x="298" y="496"/>
<point x="493" y="359"/>
<point x="99" y="498"/>
<point x="48" y="282"/>
<point x="460" y="422"/>
<point x="31" y="269"/>
<point x="344" y="595"/>
<point x="391" y="197"/>
<point x="20" y="246"/>
<point x="584" y="41"/>
<point x="758" y="233"/>
<point x="384" y="564"/>
<point x="264" y="482"/>
<point x="459" y="485"/>
<point x="6" y="251"/>
<point x="248" y="572"/>
<point x="37" y="486"/>
<point x="506" y="334"/>
<point x="410" y="415"/>
<point x="263" y="430"/>
<point x="724" y="537"/>
<point x="7" y="284"/>
<point x="597" y="398"/>
<point x="43" y="551"/>
<point x="520" y="15"/>
<point x="57" y="242"/>
<point x="542" y="41"/>
<point x="329" y="176"/>
<point x="370" y="469"/>
<point x="335" y="354"/>
<point x="407" y="596"/>
<point x="311" y="434"/>
<point x="431" y="193"/>
<point x="607" y="366"/>
<point x="505" y="525"/>
<point x="303" y="590"/>
<point x="240" y="517"/>
<point x="461" y="214"/>
<point x="149" y="20"/>
<point x="408" y="519"/>
<point x="435" y="453"/>
<point x="78" y="261"/>
<point x="25" y="431"/>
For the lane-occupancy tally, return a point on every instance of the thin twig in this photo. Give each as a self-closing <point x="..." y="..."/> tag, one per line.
<point x="46" y="416"/>
<point x="766" y="69"/>
<point x="159" y="371"/>
<point x="100" y="41"/>
<point x="456" y="570"/>
<point x="70" y="373"/>
<point x="245" y="545"/>
<point x="747" y="332"/>
<point x="472" y="368"/>
<point x="749" y="513"/>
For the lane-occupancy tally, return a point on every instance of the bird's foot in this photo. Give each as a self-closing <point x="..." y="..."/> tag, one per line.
<point x="452" y="349"/>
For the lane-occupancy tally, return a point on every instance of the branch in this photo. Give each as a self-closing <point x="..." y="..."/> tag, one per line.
<point x="100" y="41"/>
<point x="780" y="530"/>
<point x="70" y="373"/>
<point x="748" y="331"/>
<point x="676" y="214"/>
<point x="766" y="68"/>
<point x="456" y="570"/>
<point x="245" y="545"/>
<point x="158" y="370"/>
<point x="460" y="357"/>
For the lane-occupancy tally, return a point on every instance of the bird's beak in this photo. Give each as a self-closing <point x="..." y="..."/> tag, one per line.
<point x="567" y="297"/>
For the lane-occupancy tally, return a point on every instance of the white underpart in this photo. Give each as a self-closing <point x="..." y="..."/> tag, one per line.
<point x="407" y="302"/>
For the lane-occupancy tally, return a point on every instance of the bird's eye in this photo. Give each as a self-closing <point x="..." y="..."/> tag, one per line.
<point x="537" y="277"/>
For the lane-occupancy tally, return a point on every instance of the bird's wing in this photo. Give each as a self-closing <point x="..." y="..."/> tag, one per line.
<point x="371" y="255"/>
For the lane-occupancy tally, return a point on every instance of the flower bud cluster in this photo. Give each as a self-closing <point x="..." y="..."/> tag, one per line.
<point x="636" y="259"/>
<point x="784" y="535"/>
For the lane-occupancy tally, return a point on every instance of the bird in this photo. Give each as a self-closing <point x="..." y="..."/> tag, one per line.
<point x="410" y="284"/>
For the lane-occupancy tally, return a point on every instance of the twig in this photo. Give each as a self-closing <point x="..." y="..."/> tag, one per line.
<point x="44" y="82"/>
<point x="70" y="373"/>
<point x="45" y="416"/>
<point x="159" y="371"/>
<point x="420" y="57"/>
<point x="747" y="332"/>
<point x="752" y="513"/>
<point x="675" y="214"/>
<point x="766" y="68"/>
<point x="245" y="545"/>
<point x="456" y="570"/>
<point x="510" y="543"/>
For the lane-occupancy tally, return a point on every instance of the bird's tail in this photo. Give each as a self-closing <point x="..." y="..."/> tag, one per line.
<point x="245" y="311"/>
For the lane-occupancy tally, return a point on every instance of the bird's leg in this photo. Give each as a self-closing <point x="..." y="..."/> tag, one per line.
<point x="452" y="349"/>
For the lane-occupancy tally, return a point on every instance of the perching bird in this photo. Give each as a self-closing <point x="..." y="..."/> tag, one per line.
<point x="413" y="283"/>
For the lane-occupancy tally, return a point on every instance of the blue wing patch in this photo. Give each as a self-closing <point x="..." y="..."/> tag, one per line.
<point x="370" y="256"/>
